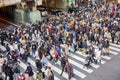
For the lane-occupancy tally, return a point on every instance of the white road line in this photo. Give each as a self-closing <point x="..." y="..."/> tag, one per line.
<point x="117" y="46"/>
<point x="31" y="62"/>
<point x="116" y="49"/>
<point x="76" y="72"/>
<point x="80" y="53"/>
<point x="80" y="66"/>
<point x="83" y="60"/>
<point x="24" y="66"/>
<point x="114" y="53"/>
<point x="58" y="71"/>
<point x="106" y="57"/>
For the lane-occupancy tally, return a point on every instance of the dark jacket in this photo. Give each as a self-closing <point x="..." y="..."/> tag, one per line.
<point x="29" y="71"/>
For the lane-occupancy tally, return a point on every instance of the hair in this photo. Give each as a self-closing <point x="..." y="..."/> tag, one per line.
<point x="49" y="67"/>
<point x="28" y="63"/>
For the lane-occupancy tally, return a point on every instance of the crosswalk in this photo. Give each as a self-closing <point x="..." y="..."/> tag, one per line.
<point x="77" y="60"/>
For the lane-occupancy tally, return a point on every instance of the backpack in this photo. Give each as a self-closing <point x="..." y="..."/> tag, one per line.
<point x="17" y="69"/>
<point x="56" y="54"/>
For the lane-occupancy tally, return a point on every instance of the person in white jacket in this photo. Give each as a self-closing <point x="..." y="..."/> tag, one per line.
<point x="98" y="55"/>
<point x="1" y="63"/>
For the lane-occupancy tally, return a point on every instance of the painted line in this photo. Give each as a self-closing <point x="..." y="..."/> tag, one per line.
<point x="115" y="45"/>
<point x="80" y="66"/>
<point x="31" y="61"/>
<point x="58" y="71"/>
<point x="80" y="53"/>
<point x="83" y="60"/>
<point x="24" y="66"/>
<point x="116" y="49"/>
<point x="106" y="57"/>
<point x="114" y="53"/>
<point x="76" y="72"/>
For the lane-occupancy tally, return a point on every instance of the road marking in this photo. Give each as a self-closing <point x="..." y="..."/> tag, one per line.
<point x="83" y="60"/>
<point x="115" y="45"/>
<point x="76" y="72"/>
<point x="80" y="53"/>
<point x="116" y="49"/>
<point x="106" y="57"/>
<point x="24" y="66"/>
<point x="114" y="53"/>
<point x="58" y="71"/>
<point x="80" y="66"/>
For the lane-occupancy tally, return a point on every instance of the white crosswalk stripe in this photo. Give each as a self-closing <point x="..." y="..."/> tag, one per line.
<point x="83" y="60"/>
<point x="114" y="53"/>
<point x="102" y="61"/>
<point x="106" y="57"/>
<point x="24" y="66"/>
<point x="81" y="75"/>
<point x="77" y="59"/>
<point x="115" y="49"/>
<point x="116" y="46"/>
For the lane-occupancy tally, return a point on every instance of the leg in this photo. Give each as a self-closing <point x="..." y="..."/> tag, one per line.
<point x="62" y="71"/>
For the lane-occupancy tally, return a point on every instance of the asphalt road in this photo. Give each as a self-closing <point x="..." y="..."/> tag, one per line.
<point x="108" y="71"/>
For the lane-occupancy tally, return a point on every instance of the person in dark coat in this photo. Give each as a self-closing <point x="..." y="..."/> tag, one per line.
<point x="63" y="62"/>
<point x="29" y="70"/>
<point x="106" y="47"/>
<point x="38" y="65"/>
<point x="8" y="72"/>
<point x="69" y="69"/>
<point x="113" y="35"/>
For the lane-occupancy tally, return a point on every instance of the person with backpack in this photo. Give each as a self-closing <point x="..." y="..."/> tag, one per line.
<point x="16" y="70"/>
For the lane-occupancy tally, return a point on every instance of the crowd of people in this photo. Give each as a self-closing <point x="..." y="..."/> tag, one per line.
<point x="55" y="38"/>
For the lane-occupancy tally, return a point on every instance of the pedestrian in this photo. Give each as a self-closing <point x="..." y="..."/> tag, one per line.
<point x="1" y="63"/>
<point x="49" y="74"/>
<point x="113" y="35"/>
<point x="29" y="70"/>
<point x="16" y="70"/>
<point x="69" y="69"/>
<point x="106" y="47"/>
<point x="44" y="61"/>
<point x="34" y="48"/>
<point x="63" y="63"/>
<point x="8" y="72"/>
<point x="39" y="75"/>
<point x="38" y="65"/>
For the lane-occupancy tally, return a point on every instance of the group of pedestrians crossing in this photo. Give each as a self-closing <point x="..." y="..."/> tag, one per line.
<point x="55" y="38"/>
